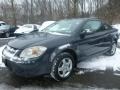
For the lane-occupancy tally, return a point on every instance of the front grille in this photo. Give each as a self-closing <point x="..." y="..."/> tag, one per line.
<point x="10" y="50"/>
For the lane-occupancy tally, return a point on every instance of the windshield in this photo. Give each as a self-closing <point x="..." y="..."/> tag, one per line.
<point x="63" y="27"/>
<point x="4" y="27"/>
<point x="3" y="23"/>
<point x="46" y="24"/>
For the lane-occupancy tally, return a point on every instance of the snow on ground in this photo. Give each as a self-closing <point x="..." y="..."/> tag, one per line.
<point x="117" y="26"/>
<point x="1" y="64"/>
<point x="118" y="40"/>
<point x="102" y="62"/>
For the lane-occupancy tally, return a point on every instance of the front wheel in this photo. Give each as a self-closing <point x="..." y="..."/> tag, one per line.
<point x="62" y="67"/>
<point x="112" y="50"/>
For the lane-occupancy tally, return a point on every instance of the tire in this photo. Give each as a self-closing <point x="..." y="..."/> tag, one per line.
<point x="112" y="50"/>
<point x="7" y="35"/>
<point x="62" y="67"/>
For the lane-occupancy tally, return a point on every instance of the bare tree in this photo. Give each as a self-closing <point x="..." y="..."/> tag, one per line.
<point x="12" y="4"/>
<point x="34" y="11"/>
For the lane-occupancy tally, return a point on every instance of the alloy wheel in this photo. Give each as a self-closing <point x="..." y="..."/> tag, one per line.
<point x="65" y="67"/>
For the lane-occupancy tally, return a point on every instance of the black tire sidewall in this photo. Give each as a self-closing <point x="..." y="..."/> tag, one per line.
<point x="115" y="48"/>
<point x="109" y="52"/>
<point x="56" y="62"/>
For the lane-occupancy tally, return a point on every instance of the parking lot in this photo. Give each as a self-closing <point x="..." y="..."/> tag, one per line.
<point x="52" y="36"/>
<point x="90" y="78"/>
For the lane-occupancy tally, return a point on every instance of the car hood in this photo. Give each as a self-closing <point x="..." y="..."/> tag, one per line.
<point x="24" y="30"/>
<point x="3" y="29"/>
<point x="35" y="39"/>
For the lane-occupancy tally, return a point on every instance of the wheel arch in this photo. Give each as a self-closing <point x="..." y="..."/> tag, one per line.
<point x="115" y="38"/>
<point x="72" y="52"/>
<point x="69" y="50"/>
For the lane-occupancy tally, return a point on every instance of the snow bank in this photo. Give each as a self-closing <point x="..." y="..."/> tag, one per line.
<point x="1" y="64"/>
<point x="117" y="26"/>
<point x="102" y="62"/>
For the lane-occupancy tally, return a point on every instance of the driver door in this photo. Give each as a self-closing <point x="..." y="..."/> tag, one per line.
<point x="91" y="42"/>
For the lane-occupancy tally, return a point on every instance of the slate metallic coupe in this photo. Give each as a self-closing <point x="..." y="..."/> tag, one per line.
<point x="59" y="47"/>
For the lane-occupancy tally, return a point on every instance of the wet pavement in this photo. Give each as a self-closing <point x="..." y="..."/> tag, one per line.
<point x="88" y="81"/>
<point x="97" y="80"/>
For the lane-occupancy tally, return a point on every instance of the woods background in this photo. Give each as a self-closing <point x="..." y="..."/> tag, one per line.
<point x="37" y="11"/>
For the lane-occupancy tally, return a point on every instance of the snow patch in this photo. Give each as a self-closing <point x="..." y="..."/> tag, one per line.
<point x="102" y="62"/>
<point x="117" y="26"/>
<point x="118" y="40"/>
<point x="4" y="86"/>
<point x="1" y="64"/>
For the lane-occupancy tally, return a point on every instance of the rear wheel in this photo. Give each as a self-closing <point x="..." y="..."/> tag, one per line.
<point x="62" y="67"/>
<point x="112" y="50"/>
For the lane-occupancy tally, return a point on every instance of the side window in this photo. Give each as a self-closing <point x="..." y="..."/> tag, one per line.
<point x="3" y="23"/>
<point x="92" y="26"/>
<point x="106" y="27"/>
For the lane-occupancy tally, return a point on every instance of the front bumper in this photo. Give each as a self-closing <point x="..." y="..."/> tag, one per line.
<point x="35" y="67"/>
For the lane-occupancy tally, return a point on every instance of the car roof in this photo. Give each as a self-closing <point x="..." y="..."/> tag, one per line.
<point x="31" y="24"/>
<point x="48" y="21"/>
<point x="83" y="19"/>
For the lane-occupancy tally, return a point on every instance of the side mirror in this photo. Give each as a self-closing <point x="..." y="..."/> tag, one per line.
<point x="84" y="32"/>
<point x="106" y="27"/>
<point x="87" y="31"/>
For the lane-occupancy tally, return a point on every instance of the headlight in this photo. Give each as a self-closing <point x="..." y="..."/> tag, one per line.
<point x="32" y="52"/>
